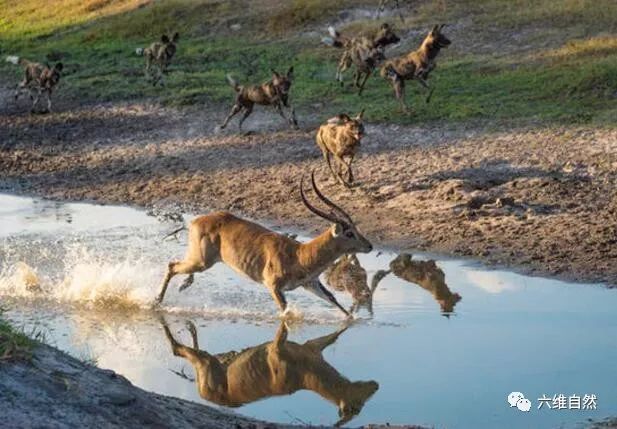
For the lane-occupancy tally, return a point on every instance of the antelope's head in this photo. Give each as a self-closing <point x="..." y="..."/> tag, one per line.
<point x="352" y="127"/>
<point x="357" y="395"/>
<point x="435" y="39"/>
<point x="282" y="84"/>
<point x="170" y="44"/>
<point x="385" y="36"/>
<point x="343" y="230"/>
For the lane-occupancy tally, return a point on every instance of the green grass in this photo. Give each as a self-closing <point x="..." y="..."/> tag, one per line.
<point x="13" y="344"/>
<point x="576" y="82"/>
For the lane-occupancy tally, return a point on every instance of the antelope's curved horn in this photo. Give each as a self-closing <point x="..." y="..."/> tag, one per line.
<point x="313" y="209"/>
<point x="325" y="199"/>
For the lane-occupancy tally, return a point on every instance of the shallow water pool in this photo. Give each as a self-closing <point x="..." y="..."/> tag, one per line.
<point x="447" y="343"/>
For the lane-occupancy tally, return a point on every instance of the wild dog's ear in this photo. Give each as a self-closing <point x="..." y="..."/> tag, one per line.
<point x="59" y="66"/>
<point x="441" y="27"/>
<point x="175" y="37"/>
<point x="385" y="26"/>
<point x="435" y="29"/>
<point x="360" y="115"/>
<point x="164" y="38"/>
<point x="275" y="73"/>
<point x="290" y="73"/>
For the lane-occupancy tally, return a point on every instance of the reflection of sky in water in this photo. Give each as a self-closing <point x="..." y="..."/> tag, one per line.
<point x="509" y="333"/>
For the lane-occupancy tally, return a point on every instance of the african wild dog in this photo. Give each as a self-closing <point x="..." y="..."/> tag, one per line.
<point x="159" y="55"/>
<point x="274" y="93"/>
<point x="365" y="52"/>
<point x="340" y="137"/>
<point x="38" y="78"/>
<point x="415" y="65"/>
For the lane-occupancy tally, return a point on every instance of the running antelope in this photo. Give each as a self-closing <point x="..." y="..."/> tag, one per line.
<point x="276" y="368"/>
<point x="348" y="275"/>
<point x="38" y="79"/>
<point x="159" y="55"/>
<point x="277" y="261"/>
<point x="365" y="52"/>
<point x="428" y="276"/>
<point x="415" y="65"/>
<point x="274" y="93"/>
<point x="340" y="137"/>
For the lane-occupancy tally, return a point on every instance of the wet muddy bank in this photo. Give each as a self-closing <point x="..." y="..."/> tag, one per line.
<point x="538" y="199"/>
<point x="53" y="389"/>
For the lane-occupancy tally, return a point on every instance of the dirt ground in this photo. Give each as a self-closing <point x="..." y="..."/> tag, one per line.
<point x="539" y="199"/>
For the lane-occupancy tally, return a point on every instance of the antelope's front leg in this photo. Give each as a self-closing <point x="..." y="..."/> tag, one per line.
<point x="276" y="290"/>
<point x="320" y="290"/>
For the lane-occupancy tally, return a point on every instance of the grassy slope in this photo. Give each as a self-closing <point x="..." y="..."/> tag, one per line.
<point x="574" y="79"/>
<point x="13" y="344"/>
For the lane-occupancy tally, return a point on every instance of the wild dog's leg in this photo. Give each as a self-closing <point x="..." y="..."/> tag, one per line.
<point x="247" y="111"/>
<point x="349" y="170"/>
<point x="234" y="111"/>
<point x="366" y="76"/>
<point x="318" y="289"/>
<point x="399" y="91"/>
<point x="430" y="89"/>
<point x="36" y="100"/>
<point x="329" y="162"/>
<point x="341" y="165"/>
<point x="48" y="92"/>
<point x="343" y="65"/>
<point x="279" y="109"/>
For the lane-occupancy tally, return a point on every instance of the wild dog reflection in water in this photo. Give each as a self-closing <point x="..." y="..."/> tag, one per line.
<point x="428" y="276"/>
<point x="280" y="367"/>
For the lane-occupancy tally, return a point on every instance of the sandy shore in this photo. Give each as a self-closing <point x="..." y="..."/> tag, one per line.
<point x="540" y="199"/>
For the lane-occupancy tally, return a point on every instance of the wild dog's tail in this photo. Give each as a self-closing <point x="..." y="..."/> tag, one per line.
<point x="14" y="59"/>
<point x="335" y="39"/>
<point x="139" y="51"/>
<point x="174" y="232"/>
<point x="234" y="83"/>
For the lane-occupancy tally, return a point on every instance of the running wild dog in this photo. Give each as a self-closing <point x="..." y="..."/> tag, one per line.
<point x="275" y="368"/>
<point x="274" y="93"/>
<point x="415" y="65"/>
<point x="38" y="79"/>
<point x="340" y="137"/>
<point x="158" y="55"/>
<point x="364" y="52"/>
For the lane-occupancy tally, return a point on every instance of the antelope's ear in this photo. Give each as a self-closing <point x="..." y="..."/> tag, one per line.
<point x="164" y="38"/>
<point x="175" y="37"/>
<point x="337" y="230"/>
<point x="360" y="115"/>
<point x="59" y="66"/>
<point x="290" y="73"/>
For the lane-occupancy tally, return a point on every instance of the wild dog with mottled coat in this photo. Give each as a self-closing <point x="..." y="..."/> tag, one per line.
<point x="38" y="79"/>
<point x="158" y="55"/>
<point x="415" y="65"/>
<point x="364" y="52"/>
<point x="274" y="92"/>
<point x="340" y="137"/>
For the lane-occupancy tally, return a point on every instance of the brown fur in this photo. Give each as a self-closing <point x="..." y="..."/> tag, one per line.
<point x="340" y="137"/>
<point x="279" y="367"/>
<point x="274" y="93"/>
<point x="275" y="260"/>
<point x="39" y="79"/>
<point x="347" y="275"/>
<point x="415" y="65"/>
<point x="364" y="52"/>
<point x="159" y="55"/>
<point x="428" y="276"/>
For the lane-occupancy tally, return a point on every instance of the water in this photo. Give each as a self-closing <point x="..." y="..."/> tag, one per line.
<point x="84" y="277"/>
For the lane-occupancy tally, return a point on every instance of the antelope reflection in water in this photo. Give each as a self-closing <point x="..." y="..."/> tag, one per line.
<point x="280" y="367"/>
<point x="428" y="276"/>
